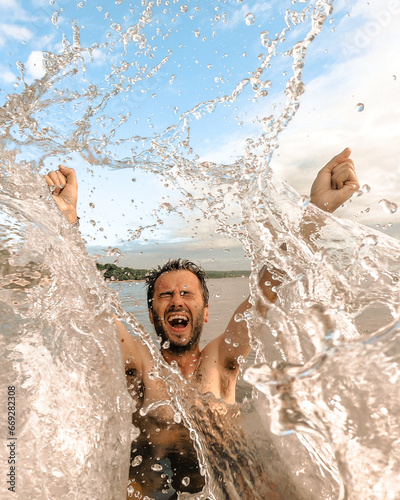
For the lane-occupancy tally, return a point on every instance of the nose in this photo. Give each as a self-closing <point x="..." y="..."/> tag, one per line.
<point x="176" y="300"/>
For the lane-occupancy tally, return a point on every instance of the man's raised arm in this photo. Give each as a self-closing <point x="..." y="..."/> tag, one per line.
<point x="335" y="183"/>
<point x="63" y="184"/>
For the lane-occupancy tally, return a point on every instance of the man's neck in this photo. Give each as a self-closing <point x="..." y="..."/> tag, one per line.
<point x="187" y="361"/>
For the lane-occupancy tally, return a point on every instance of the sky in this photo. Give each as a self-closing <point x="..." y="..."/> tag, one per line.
<point x="181" y="63"/>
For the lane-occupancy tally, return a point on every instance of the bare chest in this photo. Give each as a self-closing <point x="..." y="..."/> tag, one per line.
<point x="152" y="393"/>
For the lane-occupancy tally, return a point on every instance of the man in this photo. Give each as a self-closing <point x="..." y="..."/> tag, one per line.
<point x="178" y="308"/>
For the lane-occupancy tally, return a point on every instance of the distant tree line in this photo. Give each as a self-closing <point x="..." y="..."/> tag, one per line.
<point x="227" y="274"/>
<point x="113" y="272"/>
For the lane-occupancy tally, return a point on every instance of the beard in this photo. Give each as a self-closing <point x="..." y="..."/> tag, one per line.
<point x="173" y="346"/>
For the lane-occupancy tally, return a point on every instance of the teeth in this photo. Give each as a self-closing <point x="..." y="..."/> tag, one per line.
<point x="178" y="318"/>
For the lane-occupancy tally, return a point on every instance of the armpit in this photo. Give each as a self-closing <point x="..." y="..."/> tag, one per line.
<point x="228" y="377"/>
<point x="231" y="364"/>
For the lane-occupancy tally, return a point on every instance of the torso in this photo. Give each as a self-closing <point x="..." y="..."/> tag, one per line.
<point x="207" y="377"/>
<point x="161" y="437"/>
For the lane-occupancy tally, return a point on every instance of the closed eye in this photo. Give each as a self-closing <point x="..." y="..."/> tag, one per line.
<point x="183" y="293"/>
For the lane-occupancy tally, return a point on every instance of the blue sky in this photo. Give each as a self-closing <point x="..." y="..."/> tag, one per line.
<point x="184" y="56"/>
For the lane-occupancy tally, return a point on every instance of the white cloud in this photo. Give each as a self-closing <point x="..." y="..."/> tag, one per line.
<point x="34" y="65"/>
<point x="98" y="57"/>
<point x="6" y="76"/>
<point x="14" y="32"/>
<point x="8" y="4"/>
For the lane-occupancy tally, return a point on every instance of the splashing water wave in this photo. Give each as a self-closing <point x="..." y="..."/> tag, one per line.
<point x="325" y="375"/>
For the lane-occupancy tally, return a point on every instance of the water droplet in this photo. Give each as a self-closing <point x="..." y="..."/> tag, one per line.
<point x="166" y="344"/>
<point x="238" y="317"/>
<point x="197" y="33"/>
<point x="177" y="418"/>
<point x="184" y="8"/>
<point x="360" y="107"/>
<point x="135" y="432"/>
<point x="137" y="460"/>
<point x="304" y="201"/>
<point x="388" y="207"/>
<point x="250" y="19"/>
<point x="91" y="205"/>
<point x="156" y="467"/>
<point x="264" y="38"/>
<point x="54" y="17"/>
<point x="366" y="188"/>
<point x="228" y="340"/>
<point x="116" y="26"/>
<point x="186" y="481"/>
<point x="370" y="239"/>
<point x="114" y="251"/>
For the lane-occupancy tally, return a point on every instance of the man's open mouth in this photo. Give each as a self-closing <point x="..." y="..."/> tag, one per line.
<point x="178" y="321"/>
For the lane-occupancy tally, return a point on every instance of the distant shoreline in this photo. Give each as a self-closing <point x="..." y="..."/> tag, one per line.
<point x="108" y="280"/>
<point x="115" y="274"/>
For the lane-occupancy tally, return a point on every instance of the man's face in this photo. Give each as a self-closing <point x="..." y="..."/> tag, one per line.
<point x="178" y="313"/>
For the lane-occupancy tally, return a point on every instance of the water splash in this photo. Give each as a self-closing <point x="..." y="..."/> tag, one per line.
<point x="312" y="350"/>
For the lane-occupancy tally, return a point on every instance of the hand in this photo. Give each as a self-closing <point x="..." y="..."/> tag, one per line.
<point x="64" y="186"/>
<point x="335" y="183"/>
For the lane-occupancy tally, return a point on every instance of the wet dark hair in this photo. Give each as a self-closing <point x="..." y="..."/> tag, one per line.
<point x="175" y="265"/>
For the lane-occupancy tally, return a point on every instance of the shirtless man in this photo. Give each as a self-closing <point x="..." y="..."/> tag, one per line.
<point x="178" y="308"/>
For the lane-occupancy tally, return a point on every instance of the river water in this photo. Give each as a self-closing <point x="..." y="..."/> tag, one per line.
<point x="319" y="414"/>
